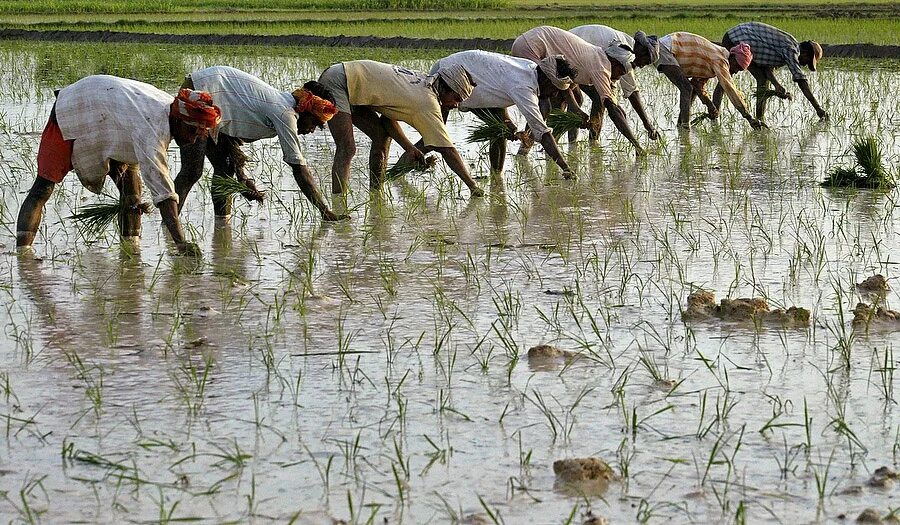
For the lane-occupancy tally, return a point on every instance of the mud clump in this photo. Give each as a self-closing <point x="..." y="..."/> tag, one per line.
<point x="869" y="516"/>
<point x="876" y="284"/>
<point x="583" y="469"/>
<point x="591" y="519"/>
<point x="548" y="357"/>
<point x="883" y="478"/>
<point x="702" y="305"/>
<point x="873" y="316"/>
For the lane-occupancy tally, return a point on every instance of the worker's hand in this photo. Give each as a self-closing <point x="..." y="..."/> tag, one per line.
<point x="639" y="151"/>
<point x="569" y="174"/>
<point x="417" y="156"/>
<point x="823" y="115"/>
<point x="713" y="113"/>
<point x="784" y="95"/>
<point x="330" y="216"/>
<point x="476" y="191"/>
<point x="252" y="194"/>
<point x="653" y="134"/>
<point x="188" y="249"/>
<point x="757" y="124"/>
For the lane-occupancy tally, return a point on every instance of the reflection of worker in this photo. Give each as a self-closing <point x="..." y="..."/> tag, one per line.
<point x="253" y="110"/>
<point x="373" y="96"/>
<point x="690" y="60"/>
<point x="503" y="81"/>
<point x="107" y="125"/>
<point x="646" y="51"/>
<point x="773" y="48"/>
<point x="597" y="67"/>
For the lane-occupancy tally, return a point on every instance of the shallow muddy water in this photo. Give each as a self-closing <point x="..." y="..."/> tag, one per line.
<point x="377" y="369"/>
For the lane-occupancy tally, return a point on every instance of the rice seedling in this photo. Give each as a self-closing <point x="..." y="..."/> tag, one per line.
<point x="228" y="187"/>
<point x="93" y="219"/>
<point x="562" y="122"/>
<point x="489" y="129"/>
<point x="869" y="171"/>
<point x="401" y="169"/>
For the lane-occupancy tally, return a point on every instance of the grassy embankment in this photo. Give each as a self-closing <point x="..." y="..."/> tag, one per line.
<point x="837" y="22"/>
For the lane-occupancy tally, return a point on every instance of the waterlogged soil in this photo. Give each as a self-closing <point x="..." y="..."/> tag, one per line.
<point x="380" y="366"/>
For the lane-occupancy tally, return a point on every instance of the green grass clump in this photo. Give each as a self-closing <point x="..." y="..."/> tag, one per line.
<point x="869" y="171"/>
<point x="491" y="129"/>
<point x="562" y="122"/>
<point x="92" y="219"/>
<point x="401" y="169"/>
<point x="225" y="187"/>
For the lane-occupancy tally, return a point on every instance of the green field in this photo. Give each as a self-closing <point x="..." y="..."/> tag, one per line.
<point x="833" y="23"/>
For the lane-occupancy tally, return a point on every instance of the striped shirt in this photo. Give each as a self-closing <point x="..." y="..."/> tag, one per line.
<point x="603" y="36"/>
<point x="699" y="58"/>
<point x="591" y="61"/>
<point x="120" y="119"/>
<point x="252" y="109"/>
<point x="771" y="46"/>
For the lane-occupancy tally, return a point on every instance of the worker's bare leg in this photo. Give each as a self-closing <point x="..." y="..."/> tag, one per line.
<point x="32" y="211"/>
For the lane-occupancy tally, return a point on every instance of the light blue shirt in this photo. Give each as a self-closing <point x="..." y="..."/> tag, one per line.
<point x="252" y="109"/>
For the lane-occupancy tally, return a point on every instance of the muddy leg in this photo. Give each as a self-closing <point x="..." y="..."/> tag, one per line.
<point x="192" y="157"/>
<point x="341" y="127"/>
<point x="128" y="180"/>
<point x="497" y="148"/>
<point x="32" y="211"/>
<point x="217" y="153"/>
<point x="579" y="97"/>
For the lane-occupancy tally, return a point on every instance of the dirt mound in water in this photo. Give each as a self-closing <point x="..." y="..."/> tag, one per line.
<point x="875" y="317"/>
<point x="583" y="469"/>
<point x="702" y="305"/>
<point x="547" y="358"/>
<point x="876" y="284"/>
<point x="883" y="478"/>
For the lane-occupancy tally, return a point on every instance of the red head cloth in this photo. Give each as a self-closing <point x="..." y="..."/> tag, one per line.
<point x="196" y="108"/>
<point x="307" y="102"/>
<point x="742" y="54"/>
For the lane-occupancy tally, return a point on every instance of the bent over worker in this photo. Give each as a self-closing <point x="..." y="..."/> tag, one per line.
<point x="503" y="81"/>
<point x="373" y="96"/>
<point x="690" y="60"/>
<point x="773" y="48"/>
<point x="596" y="67"/>
<point x="103" y="125"/>
<point x="254" y="110"/>
<point x="646" y="51"/>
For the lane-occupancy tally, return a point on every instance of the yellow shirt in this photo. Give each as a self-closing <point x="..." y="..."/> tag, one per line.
<point x="399" y="94"/>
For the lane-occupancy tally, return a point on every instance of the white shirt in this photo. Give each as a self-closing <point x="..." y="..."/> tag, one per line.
<point x="120" y="119"/>
<point x="604" y="36"/>
<point x="501" y="81"/>
<point x="252" y="109"/>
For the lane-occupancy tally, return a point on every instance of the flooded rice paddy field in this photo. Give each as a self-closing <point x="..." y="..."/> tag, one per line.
<point x="377" y="370"/>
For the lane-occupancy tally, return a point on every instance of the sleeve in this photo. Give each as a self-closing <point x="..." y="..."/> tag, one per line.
<point x="628" y="84"/>
<point x="529" y="106"/>
<point x="727" y="83"/>
<point x="431" y="126"/>
<point x="151" y="152"/>
<point x="285" y="124"/>
<point x="792" y="60"/>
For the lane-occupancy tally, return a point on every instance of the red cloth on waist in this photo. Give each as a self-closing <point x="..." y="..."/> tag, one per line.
<point x="54" y="158"/>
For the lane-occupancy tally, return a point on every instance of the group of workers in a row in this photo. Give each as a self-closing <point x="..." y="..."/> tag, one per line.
<point x="108" y="126"/>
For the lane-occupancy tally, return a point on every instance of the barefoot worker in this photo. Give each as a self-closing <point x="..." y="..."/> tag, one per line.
<point x="103" y="125"/>
<point x="503" y="81"/>
<point x="690" y="60"/>
<point x="373" y="96"/>
<point x="253" y="110"/>
<point x="597" y="67"/>
<point x="646" y="51"/>
<point x="773" y="48"/>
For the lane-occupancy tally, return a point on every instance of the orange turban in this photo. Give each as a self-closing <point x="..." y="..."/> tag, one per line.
<point x="742" y="54"/>
<point x="196" y="108"/>
<point x="318" y="106"/>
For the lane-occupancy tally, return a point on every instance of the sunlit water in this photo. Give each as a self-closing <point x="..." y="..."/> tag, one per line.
<point x="378" y="367"/>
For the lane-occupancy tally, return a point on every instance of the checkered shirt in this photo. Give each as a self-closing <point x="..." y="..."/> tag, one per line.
<point x="771" y="46"/>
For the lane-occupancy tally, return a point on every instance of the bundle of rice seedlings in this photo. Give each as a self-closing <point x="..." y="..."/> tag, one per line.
<point x="400" y="169"/>
<point x="223" y="187"/>
<point x="869" y="172"/>
<point x="868" y="157"/>
<point x="491" y="129"/>
<point x="92" y="219"/>
<point x="562" y="122"/>
<point x="699" y="118"/>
